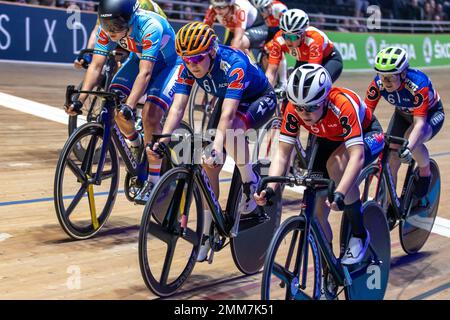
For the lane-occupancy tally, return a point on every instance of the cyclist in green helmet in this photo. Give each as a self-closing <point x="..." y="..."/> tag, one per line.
<point x="418" y="115"/>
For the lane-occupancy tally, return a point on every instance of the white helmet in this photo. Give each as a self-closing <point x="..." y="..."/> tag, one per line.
<point x="308" y="85"/>
<point x="294" y="21"/>
<point x="260" y="4"/>
<point x="222" y="3"/>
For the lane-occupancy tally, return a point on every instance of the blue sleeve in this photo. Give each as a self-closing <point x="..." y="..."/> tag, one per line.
<point x="184" y="82"/>
<point x="236" y="76"/>
<point x="103" y="44"/>
<point x="151" y="41"/>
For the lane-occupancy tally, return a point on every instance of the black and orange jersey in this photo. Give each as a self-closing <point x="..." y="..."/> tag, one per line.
<point x="345" y="119"/>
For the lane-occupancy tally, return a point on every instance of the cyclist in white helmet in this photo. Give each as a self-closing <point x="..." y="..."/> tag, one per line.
<point x="348" y="136"/>
<point x="305" y="43"/>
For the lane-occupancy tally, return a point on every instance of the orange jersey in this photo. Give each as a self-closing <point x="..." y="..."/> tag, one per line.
<point x="241" y="16"/>
<point x="345" y="120"/>
<point x="314" y="49"/>
<point x="278" y="9"/>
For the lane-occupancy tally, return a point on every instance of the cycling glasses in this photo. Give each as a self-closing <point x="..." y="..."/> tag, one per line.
<point x="220" y="7"/>
<point x="195" y="59"/>
<point x="291" y="36"/>
<point x="114" y="25"/>
<point x="310" y="108"/>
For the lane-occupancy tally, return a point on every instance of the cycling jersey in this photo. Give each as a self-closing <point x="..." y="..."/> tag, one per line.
<point x="148" y="5"/>
<point x="273" y="20"/>
<point x="234" y="75"/>
<point x="414" y="97"/>
<point x="346" y="118"/>
<point x="241" y="16"/>
<point x="151" y="38"/>
<point x="314" y="49"/>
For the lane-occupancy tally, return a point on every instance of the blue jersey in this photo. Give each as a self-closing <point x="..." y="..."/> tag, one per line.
<point x="234" y="76"/>
<point x="151" y="38"/>
<point x="415" y="96"/>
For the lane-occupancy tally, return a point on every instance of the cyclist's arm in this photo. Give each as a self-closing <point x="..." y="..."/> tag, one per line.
<point x="141" y="82"/>
<point x="92" y="37"/>
<point x="354" y="166"/>
<point x="236" y="42"/>
<point x="229" y="108"/>
<point x="175" y="115"/>
<point x="93" y="74"/>
<point x="271" y="74"/>
<point x="373" y="95"/>
<point x="281" y="162"/>
<point x="418" y="132"/>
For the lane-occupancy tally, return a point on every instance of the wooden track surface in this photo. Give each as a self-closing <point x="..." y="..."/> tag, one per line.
<point x="37" y="260"/>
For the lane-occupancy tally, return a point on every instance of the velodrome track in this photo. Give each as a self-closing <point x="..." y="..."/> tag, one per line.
<point x="37" y="259"/>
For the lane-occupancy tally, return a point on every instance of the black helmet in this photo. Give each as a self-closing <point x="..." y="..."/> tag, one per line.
<point x="115" y="15"/>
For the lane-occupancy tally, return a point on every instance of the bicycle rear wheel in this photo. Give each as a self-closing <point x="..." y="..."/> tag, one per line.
<point x="281" y="274"/>
<point x="82" y="217"/>
<point x="370" y="277"/>
<point x="416" y="227"/>
<point x="167" y="257"/>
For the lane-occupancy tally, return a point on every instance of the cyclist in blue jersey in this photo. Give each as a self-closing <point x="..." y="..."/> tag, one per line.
<point x="151" y="69"/>
<point x="246" y="101"/>
<point x="418" y="116"/>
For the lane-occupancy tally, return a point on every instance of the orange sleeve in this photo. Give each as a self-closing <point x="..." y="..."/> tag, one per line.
<point x="210" y="16"/>
<point x="373" y="95"/>
<point x="421" y="102"/>
<point x="290" y="127"/>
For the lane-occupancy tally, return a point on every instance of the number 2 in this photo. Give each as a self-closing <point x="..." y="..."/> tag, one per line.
<point x="237" y="84"/>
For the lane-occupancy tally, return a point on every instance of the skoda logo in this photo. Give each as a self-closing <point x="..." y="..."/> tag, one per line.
<point x="427" y="50"/>
<point x="371" y="50"/>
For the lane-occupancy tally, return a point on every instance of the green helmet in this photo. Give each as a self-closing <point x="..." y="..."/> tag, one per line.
<point x="391" y="60"/>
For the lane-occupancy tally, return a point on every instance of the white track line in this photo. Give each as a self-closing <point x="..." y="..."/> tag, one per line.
<point x="4" y="236"/>
<point x="441" y="225"/>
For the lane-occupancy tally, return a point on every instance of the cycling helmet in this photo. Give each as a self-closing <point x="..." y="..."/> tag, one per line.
<point x="222" y="3"/>
<point x="261" y="4"/>
<point x="116" y="15"/>
<point x="391" y="60"/>
<point x="294" y="21"/>
<point x="195" y="38"/>
<point x="308" y="85"/>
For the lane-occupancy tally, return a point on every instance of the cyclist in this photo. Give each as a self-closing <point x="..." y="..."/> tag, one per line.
<point x="240" y="18"/>
<point x="418" y="115"/>
<point x="271" y="11"/>
<point x="305" y="43"/>
<point x="148" y="5"/>
<point x="152" y="70"/>
<point x="349" y="138"/>
<point x="246" y="101"/>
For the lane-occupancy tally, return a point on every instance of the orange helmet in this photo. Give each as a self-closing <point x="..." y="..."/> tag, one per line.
<point x="195" y="38"/>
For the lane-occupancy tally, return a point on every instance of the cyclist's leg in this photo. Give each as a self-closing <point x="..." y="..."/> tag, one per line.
<point x="123" y="83"/>
<point x="435" y="120"/>
<point x="160" y="93"/>
<point x="398" y="125"/>
<point x="334" y="65"/>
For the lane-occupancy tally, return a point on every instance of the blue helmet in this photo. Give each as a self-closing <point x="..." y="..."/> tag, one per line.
<point x="116" y="15"/>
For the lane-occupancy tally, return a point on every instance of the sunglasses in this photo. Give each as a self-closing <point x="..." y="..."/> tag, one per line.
<point x="310" y="108"/>
<point x="220" y="7"/>
<point x="291" y="36"/>
<point x="195" y="59"/>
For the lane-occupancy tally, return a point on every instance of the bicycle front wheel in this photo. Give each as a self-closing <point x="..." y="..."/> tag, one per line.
<point x="167" y="256"/>
<point x="283" y="274"/>
<point x="81" y="205"/>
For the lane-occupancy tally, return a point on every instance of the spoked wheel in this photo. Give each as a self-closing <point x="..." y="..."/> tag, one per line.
<point x="91" y="110"/>
<point x="370" y="277"/>
<point x="201" y="105"/>
<point x="81" y="205"/>
<point x="282" y="275"/>
<point x="166" y="256"/>
<point x="255" y="233"/>
<point x="416" y="227"/>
